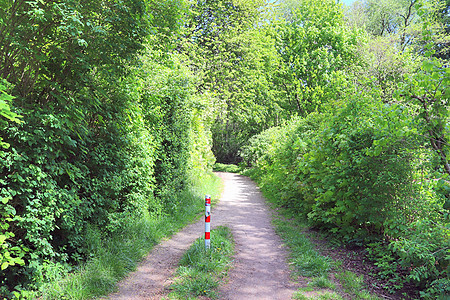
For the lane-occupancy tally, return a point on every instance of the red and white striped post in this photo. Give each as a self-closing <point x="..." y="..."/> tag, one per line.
<point x="207" y="221"/>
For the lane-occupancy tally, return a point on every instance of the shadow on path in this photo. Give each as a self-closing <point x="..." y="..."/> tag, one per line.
<point x="260" y="269"/>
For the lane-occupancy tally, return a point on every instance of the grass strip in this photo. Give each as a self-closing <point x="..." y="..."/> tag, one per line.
<point x="201" y="270"/>
<point x="113" y="258"/>
<point x="315" y="268"/>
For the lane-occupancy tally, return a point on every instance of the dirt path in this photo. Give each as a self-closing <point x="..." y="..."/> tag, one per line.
<point x="260" y="270"/>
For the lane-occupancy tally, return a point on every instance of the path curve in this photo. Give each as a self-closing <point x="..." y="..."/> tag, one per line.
<point x="260" y="270"/>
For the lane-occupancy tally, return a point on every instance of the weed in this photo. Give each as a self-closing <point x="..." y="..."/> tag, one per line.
<point x="354" y="285"/>
<point x="323" y="282"/>
<point x="351" y="282"/>
<point x="317" y="295"/>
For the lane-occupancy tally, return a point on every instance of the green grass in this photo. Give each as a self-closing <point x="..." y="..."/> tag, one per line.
<point x="325" y="295"/>
<point x="304" y="257"/>
<point x="323" y="283"/>
<point x="354" y="285"/>
<point x="201" y="269"/>
<point x="315" y="268"/>
<point x="227" y="168"/>
<point x="113" y="258"/>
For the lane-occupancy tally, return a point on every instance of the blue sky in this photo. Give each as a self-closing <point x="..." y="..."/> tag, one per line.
<point x="348" y="2"/>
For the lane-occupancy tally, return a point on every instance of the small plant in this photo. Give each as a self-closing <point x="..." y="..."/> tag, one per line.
<point x="387" y="264"/>
<point x="323" y="282"/>
<point x="351" y="282"/>
<point x="302" y="294"/>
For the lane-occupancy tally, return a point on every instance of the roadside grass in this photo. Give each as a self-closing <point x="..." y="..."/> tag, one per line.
<point x="113" y="258"/>
<point x="218" y="167"/>
<point x="201" y="270"/>
<point x="326" y="279"/>
<point x="325" y="295"/>
<point x="353" y="284"/>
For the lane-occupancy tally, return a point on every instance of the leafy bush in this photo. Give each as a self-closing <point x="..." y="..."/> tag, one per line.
<point x="274" y="154"/>
<point x="425" y="252"/>
<point x="359" y="182"/>
<point x="110" y="130"/>
<point x="355" y="173"/>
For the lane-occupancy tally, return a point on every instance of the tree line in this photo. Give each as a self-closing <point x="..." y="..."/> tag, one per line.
<point x="364" y="152"/>
<point x="109" y="107"/>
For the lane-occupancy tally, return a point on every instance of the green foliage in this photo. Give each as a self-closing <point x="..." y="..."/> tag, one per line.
<point x="110" y="129"/>
<point x="273" y="153"/>
<point x="321" y="296"/>
<point x="164" y="91"/>
<point x="390" y="17"/>
<point x="9" y="255"/>
<point x="120" y="103"/>
<point x="426" y="253"/>
<point x="5" y="102"/>
<point x="322" y="282"/>
<point x="388" y="265"/>
<point x="359" y="173"/>
<point x="400" y="21"/>
<point x="5" y="110"/>
<point x="384" y="67"/>
<point x="112" y="258"/>
<point x="226" y="168"/>
<point x="315" y="49"/>
<point x="354" y="285"/>
<point x="233" y="50"/>
<point x="352" y="173"/>
<point x="429" y="90"/>
<point x="202" y="269"/>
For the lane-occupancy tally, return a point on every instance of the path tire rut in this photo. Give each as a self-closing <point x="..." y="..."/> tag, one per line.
<point x="260" y="270"/>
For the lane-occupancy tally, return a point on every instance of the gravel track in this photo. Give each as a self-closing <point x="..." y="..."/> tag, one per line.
<point x="259" y="270"/>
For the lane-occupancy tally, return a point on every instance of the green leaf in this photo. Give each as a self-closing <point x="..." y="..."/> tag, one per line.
<point x="428" y="65"/>
<point x="4" y="265"/>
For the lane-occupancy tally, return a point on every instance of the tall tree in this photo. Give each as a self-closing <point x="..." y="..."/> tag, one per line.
<point x="316" y="47"/>
<point x="398" y="20"/>
<point x="252" y="102"/>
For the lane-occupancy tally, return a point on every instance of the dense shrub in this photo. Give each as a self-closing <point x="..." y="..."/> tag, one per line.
<point x="108" y="131"/>
<point x="359" y="174"/>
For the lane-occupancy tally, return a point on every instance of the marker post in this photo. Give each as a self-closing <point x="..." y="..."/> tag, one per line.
<point x="207" y="221"/>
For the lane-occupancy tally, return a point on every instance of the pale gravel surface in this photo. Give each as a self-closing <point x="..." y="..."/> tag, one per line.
<point x="260" y="270"/>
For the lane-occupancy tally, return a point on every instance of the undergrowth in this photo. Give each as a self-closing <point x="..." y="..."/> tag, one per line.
<point x="202" y="269"/>
<point x="113" y="258"/>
